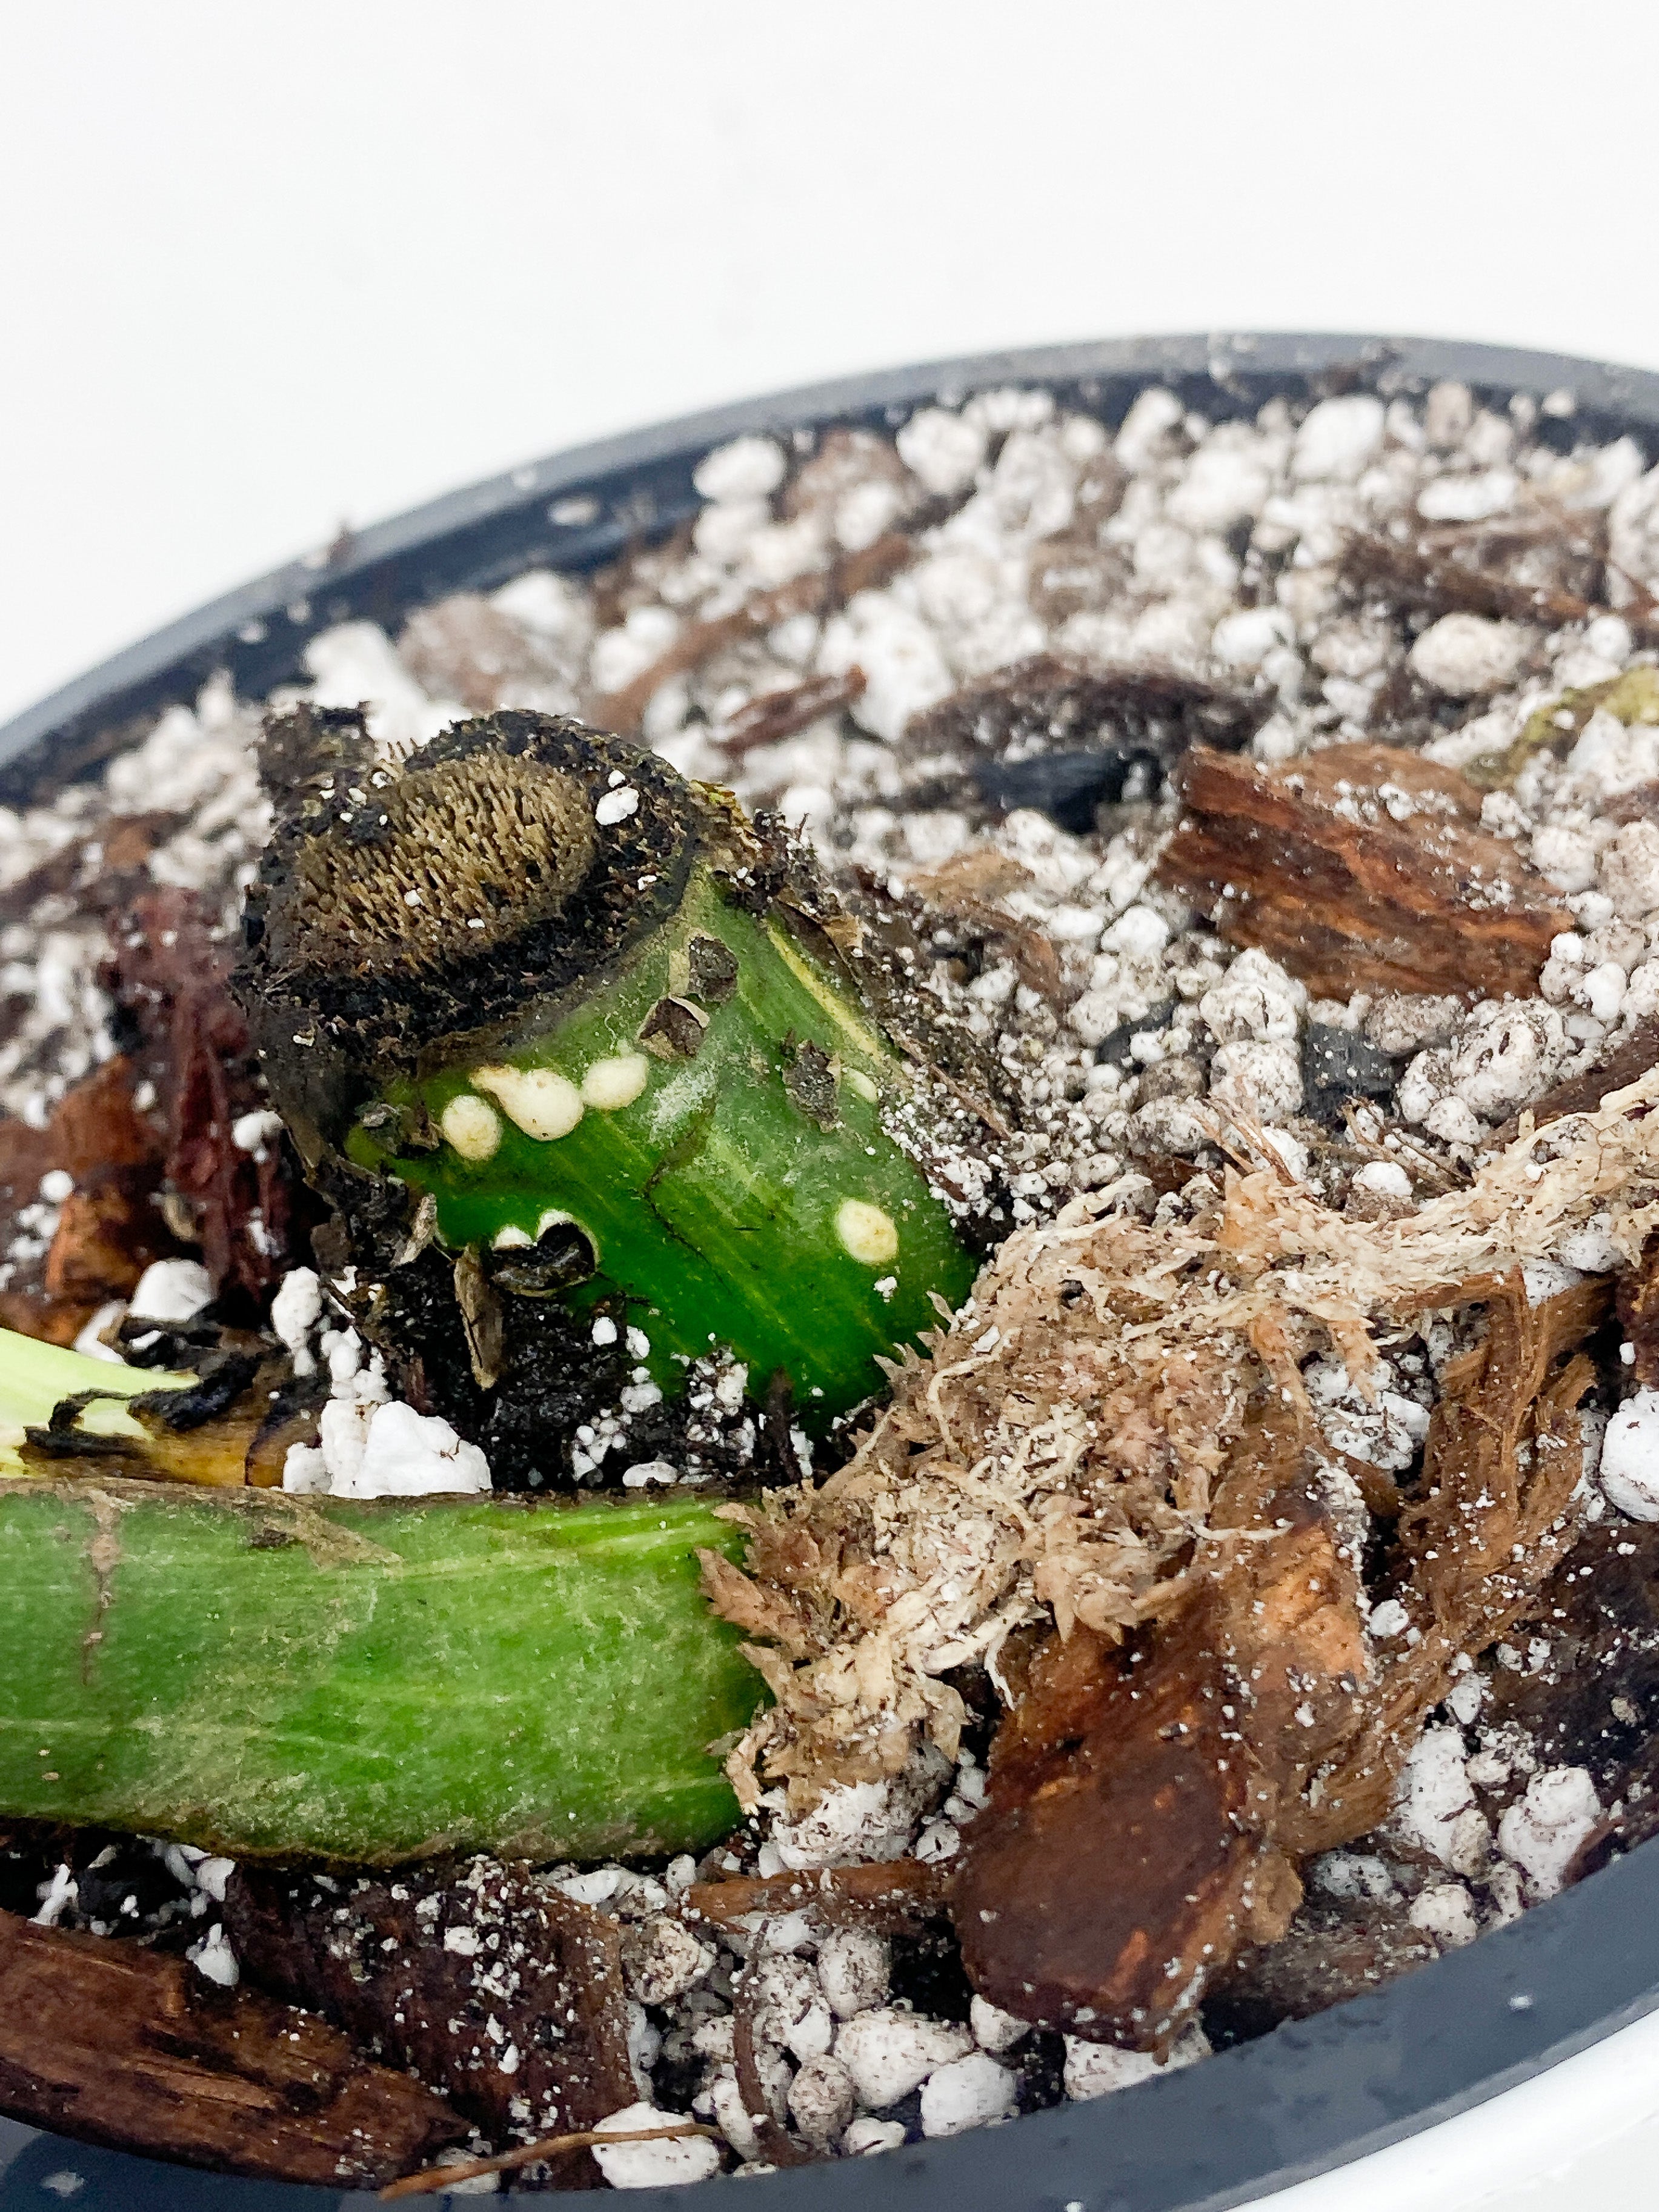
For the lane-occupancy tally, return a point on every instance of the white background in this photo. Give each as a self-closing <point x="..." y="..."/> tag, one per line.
<point x="265" y="268"/>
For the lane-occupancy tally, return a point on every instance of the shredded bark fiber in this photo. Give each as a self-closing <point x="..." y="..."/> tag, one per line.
<point x="1114" y="1439"/>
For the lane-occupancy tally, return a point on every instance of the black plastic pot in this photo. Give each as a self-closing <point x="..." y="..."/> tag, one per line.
<point x="1313" y="2094"/>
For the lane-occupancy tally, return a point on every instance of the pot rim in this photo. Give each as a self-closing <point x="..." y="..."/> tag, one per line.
<point x="1316" y="2094"/>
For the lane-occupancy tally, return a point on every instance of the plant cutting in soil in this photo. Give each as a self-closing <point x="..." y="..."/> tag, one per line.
<point x="886" y="1301"/>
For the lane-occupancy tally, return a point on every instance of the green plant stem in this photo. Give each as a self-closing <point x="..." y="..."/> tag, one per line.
<point x="713" y="1201"/>
<point x="356" y="1682"/>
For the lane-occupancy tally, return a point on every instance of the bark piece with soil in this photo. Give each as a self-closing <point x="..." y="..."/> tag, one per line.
<point x="109" y="1229"/>
<point x="116" y="2044"/>
<point x="488" y="1983"/>
<point x="1329" y="1954"/>
<point x="1127" y="1844"/>
<point x="169" y="974"/>
<point x="1148" y="1805"/>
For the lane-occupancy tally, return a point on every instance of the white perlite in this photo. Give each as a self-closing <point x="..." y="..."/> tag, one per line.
<point x="854" y="1970"/>
<point x="1467" y="656"/>
<point x="171" y="1290"/>
<point x="967" y="2093"/>
<point x="410" y="1455"/>
<point x="1630" y="1456"/>
<point x="889" y="2052"/>
<point x="371" y="1445"/>
<point x="1445" y="1910"/>
<point x="214" y="1960"/>
<point x="1542" y="1832"/>
<point x="1435" y="1803"/>
<point x="864" y="1821"/>
<point x="823" y="2099"/>
<point x="666" y="2164"/>
<point x="294" y="1312"/>
<point x="1097" y="2069"/>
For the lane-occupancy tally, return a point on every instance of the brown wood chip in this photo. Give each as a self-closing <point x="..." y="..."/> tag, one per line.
<point x="443" y="1964"/>
<point x="115" y="2045"/>
<point x="890" y="1896"/>
<point x="1361" y="867"/>
<point x="1148" y="1803"/>
<point x="1436" y="578"/>
<point x="775" y="714"/>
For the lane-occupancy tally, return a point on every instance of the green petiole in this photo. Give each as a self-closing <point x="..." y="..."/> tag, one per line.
<point x="726" y="1201"/>
<point x="362" y="1682"/>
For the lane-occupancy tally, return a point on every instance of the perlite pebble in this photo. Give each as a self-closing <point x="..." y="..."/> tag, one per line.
<point x="941" y="450"/>
<point x="1385" y="1178"/>
<point x="410" y="1455"/>
<point x="1446" y="1912"/>
<point x="993" y="2029"/>
<point x="1630" y="871"/>
<point x="1630" y="1456"/>
<point x="868" y="2134"/>
<point x="1337" y="438"/>
<point x="1467" y="656"/>
<point x="1434" y="1803"/>
<point x="1255" y="998"/>
<point x="663" y="1960"/>
<point x="904" y="668"/>
<point x="1226" y="482"/>
<point x="790" y="2008"/>
<point x="854" y="1971"/>
<point x="1542" y="1833"/>
<point x="748" y="468"/>
<point x="723" y="2102"/>
<point x="1467" y="498"/>
<point x="617" y="806"/>
<point x="214" y="1959"/>
<point x="171" y="1290"/>
<point x="1095" y="2069"/>
<point x="478" y="2184"/>
<point x="863" y="1819"/>
<point x="889" y="2052"/>
<point x="967" y="2093"/>
<point x="294" y="1312"/>
<point x="1351" y="1874"/>
<point x="662" y="2164"/>
<point x="823" y="2099"/>
<point x="1263" y="1079"/>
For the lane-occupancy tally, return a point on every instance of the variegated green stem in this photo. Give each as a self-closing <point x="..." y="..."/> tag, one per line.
<point x="724" y="1151"/>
